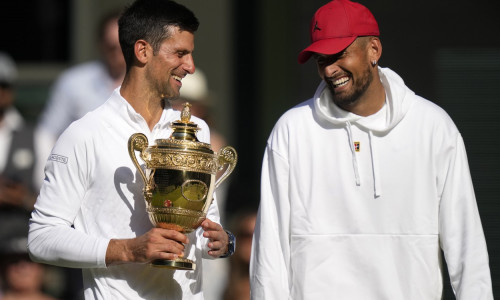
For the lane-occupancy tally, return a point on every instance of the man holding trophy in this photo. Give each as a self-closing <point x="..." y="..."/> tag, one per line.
<point x="96" y="213"/>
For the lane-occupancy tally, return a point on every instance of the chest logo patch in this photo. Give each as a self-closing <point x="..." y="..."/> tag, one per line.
<point x="356" y="146"/>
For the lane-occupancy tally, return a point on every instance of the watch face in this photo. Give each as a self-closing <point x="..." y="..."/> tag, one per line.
<point x="232" y="240"/>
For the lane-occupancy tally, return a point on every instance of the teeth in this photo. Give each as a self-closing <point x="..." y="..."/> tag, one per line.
<point x="340" y="81"/>
<point x="176" y="77"/>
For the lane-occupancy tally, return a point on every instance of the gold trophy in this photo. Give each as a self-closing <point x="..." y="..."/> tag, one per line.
<point x="180" y="179"/>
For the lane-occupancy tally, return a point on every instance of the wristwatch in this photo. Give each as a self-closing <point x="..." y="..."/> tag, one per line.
<point x="231" y="246"/>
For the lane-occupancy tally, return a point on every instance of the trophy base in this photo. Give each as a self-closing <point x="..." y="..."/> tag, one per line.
<point x="179" y="263"/>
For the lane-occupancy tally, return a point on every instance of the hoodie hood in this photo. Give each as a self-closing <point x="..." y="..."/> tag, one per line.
<point x="398" y="101"/>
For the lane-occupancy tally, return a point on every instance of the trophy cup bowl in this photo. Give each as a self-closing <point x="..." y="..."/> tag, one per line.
<point x="179" y="179"/>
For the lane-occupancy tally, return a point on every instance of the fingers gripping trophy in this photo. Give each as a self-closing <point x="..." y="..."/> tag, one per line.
<point x="179" y="180"/>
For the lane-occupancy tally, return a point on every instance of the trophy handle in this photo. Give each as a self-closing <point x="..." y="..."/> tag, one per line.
<point x="226" y="155"/>
<point x="137" y="142"/>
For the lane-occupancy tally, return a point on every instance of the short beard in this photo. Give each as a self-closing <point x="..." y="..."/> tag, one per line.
<point x="349" y="98"/>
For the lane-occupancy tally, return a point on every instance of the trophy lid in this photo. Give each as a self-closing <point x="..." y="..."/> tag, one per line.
<point x="184" y="134"/>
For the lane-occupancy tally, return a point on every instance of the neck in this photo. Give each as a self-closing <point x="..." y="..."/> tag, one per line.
<point x="372" y="100"/>
<point x="146" y="103"/>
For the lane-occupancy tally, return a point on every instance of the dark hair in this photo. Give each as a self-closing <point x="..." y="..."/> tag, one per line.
<point x="151" y="21"/>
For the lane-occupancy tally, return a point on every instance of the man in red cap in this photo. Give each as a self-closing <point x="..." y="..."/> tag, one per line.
<point x="364" y="183"/>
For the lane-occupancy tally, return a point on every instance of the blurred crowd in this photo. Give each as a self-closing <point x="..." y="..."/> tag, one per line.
<point x="25" y="147"/>
<point x="20" y="278"/>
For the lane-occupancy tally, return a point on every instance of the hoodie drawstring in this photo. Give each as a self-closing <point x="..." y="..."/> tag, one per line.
<point x="375" y="167"/>
<point x="353" y="152"/>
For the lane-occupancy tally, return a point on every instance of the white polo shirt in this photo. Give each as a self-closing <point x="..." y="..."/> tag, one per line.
<point x="92" y="184"/>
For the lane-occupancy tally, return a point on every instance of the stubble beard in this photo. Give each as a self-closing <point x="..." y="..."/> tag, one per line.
<point x="349" y="98"/>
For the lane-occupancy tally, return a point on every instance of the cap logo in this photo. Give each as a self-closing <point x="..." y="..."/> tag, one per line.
<point x="316" y="27"/>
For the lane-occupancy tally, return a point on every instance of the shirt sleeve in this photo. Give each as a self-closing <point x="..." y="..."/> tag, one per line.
<point x="52" y="239"/>
<point x="461" y="234"/>
<point x="270" y="256"/>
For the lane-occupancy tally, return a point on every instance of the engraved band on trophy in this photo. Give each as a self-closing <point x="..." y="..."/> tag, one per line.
<point x="180" y="179"/>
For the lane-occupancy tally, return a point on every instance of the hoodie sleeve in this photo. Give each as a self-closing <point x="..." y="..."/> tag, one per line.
<point x="461" y="234"/>
<point x="269" y="264"/>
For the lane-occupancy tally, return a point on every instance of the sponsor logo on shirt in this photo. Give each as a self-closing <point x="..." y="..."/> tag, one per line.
<point x="58" y="158"/>
<point x="356" y="146"/>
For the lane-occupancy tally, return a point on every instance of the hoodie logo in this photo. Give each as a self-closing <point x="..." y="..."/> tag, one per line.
<point x="316" y="27"/>
<point x="356" y="146"/>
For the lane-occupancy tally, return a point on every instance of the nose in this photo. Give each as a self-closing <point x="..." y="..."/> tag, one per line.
<point x="330" y="70"/>
<point x="189" y="64"/>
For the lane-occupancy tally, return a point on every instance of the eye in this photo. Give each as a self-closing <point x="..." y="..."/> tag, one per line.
<point x="326" y="60"/>
<point x="182" y="53"/>
<point x="320" y="59"/>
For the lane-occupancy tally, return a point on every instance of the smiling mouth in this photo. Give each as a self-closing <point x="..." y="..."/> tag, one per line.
<point x="340" y="82"/>
<point x="178" y="78"/>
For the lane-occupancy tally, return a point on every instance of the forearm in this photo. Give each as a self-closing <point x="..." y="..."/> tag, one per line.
<point x="118" y="252"/>
<point x="157" y="243"/>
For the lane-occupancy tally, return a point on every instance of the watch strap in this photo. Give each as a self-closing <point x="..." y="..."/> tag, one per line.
<point x="231" y="246"/>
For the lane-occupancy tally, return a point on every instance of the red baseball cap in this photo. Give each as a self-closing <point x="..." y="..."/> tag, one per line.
<point x="336" y="25"/>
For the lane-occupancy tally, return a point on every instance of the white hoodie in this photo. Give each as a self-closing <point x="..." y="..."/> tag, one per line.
<point x="358" y="207"/>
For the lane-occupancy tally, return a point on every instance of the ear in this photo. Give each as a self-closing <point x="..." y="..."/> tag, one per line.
<point x="142" y="51"/>
<point x="374" y="49"/>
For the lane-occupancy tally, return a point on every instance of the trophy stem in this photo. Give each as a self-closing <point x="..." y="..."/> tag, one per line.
<point x="179" y="264"/>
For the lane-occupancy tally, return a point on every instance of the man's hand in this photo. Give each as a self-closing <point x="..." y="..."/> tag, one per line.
<point x="157" y="243"/>
<point x="218" y="240"/>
